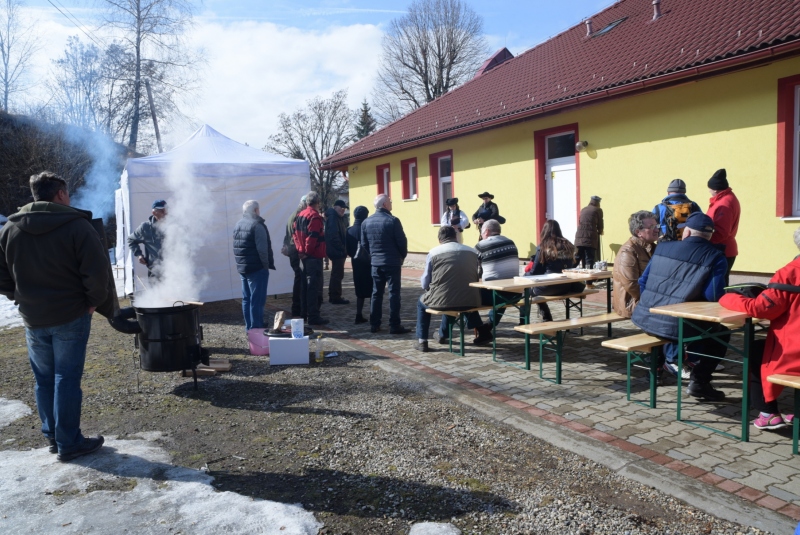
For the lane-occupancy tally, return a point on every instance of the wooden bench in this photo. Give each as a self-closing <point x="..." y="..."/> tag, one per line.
<point x="640" y="348"/>
<point x="551" y="336"/>
<point x="792" y="381"/>
<point x="460" y="315"/>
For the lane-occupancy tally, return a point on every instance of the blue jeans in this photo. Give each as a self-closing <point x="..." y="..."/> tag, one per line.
<point x="380" y="276"/>
<point x="254" y="297"/>
<point x="57" y="355"/>
<point x="424" y="322"/>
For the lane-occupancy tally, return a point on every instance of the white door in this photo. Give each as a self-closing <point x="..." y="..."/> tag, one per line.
<point x="561" y="183"/>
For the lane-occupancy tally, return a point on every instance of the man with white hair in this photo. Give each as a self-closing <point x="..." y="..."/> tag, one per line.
<point x="309" y="239"/>
<point x="252" y="249"/>
<point x="383" y="239"/>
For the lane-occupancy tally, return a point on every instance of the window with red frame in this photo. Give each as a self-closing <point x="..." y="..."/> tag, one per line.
<point x="788" y="186"/>
<point x="442" y="188"/>
<point x="408" y="170"/>
<point x="384" y="179"/>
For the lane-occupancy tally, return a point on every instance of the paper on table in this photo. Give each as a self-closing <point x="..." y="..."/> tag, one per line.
<point x="548" y="276"/>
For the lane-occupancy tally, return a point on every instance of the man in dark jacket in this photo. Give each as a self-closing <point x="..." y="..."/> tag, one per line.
<point x="486" y="211"/>
<point x="336" y="248"/>
<point x="53" y="264"/>
<point x="676" y="200"/>
<point x="679" y="271"/>
<point x="294" y="260"/>
<point x="309" y="239"/>
<point x="383" y="239"/>
<point x="590" y="228"/>
<point x="150" y="236"/>
<point x="252" y="249"/>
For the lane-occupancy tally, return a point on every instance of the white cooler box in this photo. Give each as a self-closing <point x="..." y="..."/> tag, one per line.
<point x="283" y="351"/>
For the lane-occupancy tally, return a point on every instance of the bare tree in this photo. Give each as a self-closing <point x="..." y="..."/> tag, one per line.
<point x="436" y="46"/>
<point x="18" y="44"/>
<point x="77" y="86"/>
<point x="322" y="128"/>
<point x="152" y="45"/>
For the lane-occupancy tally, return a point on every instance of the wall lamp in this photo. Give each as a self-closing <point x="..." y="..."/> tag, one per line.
<point x="580" y="146"/>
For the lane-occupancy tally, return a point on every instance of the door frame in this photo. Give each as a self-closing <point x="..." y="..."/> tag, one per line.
<point x="540" y="167"/>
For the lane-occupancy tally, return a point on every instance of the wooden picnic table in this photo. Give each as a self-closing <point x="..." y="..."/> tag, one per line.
<point x="691" y="311"/>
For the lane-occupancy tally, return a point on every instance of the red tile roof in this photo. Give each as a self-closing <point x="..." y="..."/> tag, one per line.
<point x="692" y="39"/>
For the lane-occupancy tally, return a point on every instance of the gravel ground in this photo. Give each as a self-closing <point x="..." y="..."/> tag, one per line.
<point x="364" y="450"/>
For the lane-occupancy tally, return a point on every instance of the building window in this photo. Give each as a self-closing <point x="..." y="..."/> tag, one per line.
<point x="788" y="175"/>
<point x="384" y="180"/>
<point x="442" y="184"/>
<point x="408" y="169"/>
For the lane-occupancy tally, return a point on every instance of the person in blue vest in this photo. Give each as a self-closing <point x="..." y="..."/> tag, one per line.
<point x="252" y="249"/>
<point x="672" y="208"/>
<point x="692" y="269"/>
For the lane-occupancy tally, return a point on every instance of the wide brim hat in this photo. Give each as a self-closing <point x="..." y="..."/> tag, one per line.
<point x="451" y="202"/>
<point x="486" y="194"/>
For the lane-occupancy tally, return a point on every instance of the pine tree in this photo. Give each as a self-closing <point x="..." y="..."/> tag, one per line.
<point x="366" y="122"/>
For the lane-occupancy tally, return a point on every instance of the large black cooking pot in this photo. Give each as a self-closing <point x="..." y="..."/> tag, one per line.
<point x="170" y="338"/>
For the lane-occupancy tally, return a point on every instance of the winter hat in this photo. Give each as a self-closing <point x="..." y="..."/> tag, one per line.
<point x="361" y="212"/>
<point x="159" y="204"/>
<point x="719" y="180"/>
<point x="340" y="203"/>
<point x="451" y="202"/>
<point x="596" y="198"/>
<point x="677" y="186"/>
<point x="699" y="221"/>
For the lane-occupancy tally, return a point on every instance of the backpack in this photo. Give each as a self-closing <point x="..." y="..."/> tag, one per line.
<point x="674" y="215"/>
<point x="754" y="289"/>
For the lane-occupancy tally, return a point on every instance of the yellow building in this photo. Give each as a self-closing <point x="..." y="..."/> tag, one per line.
<point x="675" y="90"/>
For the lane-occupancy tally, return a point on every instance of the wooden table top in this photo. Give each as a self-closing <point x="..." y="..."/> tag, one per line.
<point x="701" y="310"/>
<point x="518" y="284"/>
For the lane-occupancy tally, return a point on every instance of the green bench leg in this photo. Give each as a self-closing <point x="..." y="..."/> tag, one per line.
<point x="635" y="356"/>
<point x="460" y="322"/>
<point x="559" y="346"/>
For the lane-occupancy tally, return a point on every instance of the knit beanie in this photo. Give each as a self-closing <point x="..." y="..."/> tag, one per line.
<point x="719" y="181"/>
<point x="677" y="186"/>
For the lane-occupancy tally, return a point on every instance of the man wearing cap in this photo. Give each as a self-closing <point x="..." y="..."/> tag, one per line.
<point x="676" y="200"/>
<point x="150" y="235"/>
<point x="590" y="228"/>
<point x="488" y="210"/>
<point x="724" y="209"/>
<point x="679" y="271"/>
<point x="336" y="248"/>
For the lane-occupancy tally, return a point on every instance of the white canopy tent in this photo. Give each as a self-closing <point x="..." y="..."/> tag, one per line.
<point x="233" y="173"/>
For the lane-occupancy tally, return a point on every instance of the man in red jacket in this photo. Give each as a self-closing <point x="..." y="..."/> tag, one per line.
<point x="309" y="240"/>
<point x="724" y="210"/>
<point x="780" y="303"/>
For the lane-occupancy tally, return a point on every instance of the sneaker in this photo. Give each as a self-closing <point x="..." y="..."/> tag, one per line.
<point x="421" y="346"/>
<point x="705" y="391"/>
<point x="720" y="367"/>
<point x="399" y="330"/>
<point x="671" y="368"/>
<point x="443" y="340"/>
<point x="484" y="335"/>
<point x="360" y="319"/>
<point x="319" y="321"/>
<point x="339" y="301"/>
<point x="89" y="445"/>
<point x="788" y="418"/>
<point x="53" y="448"/>
<point x="686" y="373"/>
<point x="773" y="421"/>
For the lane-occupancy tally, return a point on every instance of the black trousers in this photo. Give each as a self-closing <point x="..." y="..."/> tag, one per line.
<point x="731" y="260"/>
<point x="297" y="287"/>
<point x="756" y="388"/>
<point x="587" y="255"/>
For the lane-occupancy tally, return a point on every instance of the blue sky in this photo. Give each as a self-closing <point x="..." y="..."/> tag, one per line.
<point x="270" y="57"/>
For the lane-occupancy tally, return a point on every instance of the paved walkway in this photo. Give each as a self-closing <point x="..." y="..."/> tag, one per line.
<point x="591" y="400"/>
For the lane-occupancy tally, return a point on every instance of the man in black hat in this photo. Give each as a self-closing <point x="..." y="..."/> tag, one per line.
<point x="724" y="209"/>
<point x="488" y="210"/>
<point x="336" y="247"/>
<point x="679" y="271"/>
<point x="150" y="235"/>
<point x="590" y="228"/>
<point x="673" y="210"/>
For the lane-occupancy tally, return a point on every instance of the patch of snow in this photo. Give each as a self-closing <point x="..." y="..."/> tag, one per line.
<point x="11" y="409"/>
<point x="130" y="487"/>
<point x="434" y="528"/>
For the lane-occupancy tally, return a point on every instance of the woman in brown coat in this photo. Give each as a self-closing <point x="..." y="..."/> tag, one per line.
<point x="631" y="261"/>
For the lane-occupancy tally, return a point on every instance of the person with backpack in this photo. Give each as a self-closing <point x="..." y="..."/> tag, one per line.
<point x="780" y="352"/>
<point x="724" y="209"/>
<point x="673" y="210"/>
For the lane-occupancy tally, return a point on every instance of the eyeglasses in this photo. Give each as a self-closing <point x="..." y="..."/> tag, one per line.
<point x="651" y="227"/>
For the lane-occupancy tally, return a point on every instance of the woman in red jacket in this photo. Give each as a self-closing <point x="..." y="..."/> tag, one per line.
<point x="724" y="209"/>
<point x="781" y="353"/>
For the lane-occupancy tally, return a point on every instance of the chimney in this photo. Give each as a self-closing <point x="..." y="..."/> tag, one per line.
<point x="656" y="9"/>
<point x="589" y="27"/>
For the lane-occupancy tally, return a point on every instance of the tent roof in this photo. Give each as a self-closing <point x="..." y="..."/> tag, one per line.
<point x="210" y="152"/>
